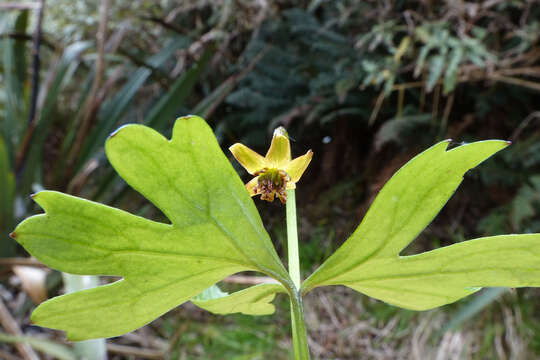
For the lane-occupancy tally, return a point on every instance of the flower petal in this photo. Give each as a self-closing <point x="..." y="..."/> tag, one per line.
<point x="251" y="186"/>
<point x="248" y="158"/>
<point x="296" y="168"/>
<point x="279" y="154"/>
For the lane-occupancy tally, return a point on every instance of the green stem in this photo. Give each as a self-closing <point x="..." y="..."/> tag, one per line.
<point x="292" y="239"/>
<point x="301" y="350"/>
<point x="95" y="349"/>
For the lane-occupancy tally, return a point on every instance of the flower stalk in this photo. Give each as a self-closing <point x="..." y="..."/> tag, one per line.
<point x="301" y="349"/>
<point x="276" y="175"/>
<point x="292" y="239"/>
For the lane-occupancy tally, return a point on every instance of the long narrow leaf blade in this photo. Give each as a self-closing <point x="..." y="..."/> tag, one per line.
<point x="112" y="111"/>
<point x="169" y="104"/>
<point x="7" y="194"/>
<point x="58" y="351"/>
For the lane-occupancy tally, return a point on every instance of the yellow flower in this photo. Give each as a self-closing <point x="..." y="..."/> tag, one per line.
<point x="274" y="173"/>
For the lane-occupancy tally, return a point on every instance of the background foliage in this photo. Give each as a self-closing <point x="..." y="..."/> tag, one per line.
<point x="365" y="84"/>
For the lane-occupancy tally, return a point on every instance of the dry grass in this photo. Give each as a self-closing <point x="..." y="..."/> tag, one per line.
<point x="342" y="326"/>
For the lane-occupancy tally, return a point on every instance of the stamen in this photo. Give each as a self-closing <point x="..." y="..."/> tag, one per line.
<point x="272" y="183"/>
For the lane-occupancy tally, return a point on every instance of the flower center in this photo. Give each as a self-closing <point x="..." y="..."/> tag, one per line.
<point x="271" y="183"/>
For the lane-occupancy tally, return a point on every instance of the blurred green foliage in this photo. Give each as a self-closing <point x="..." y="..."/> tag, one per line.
<point x="366" y="84"/>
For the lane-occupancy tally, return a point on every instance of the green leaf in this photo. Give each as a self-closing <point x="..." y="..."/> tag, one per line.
<point x="445" y="275"/>
<point x="46" y="116"/>
<point x="166" y="108"/>
<point x="421" y="60"/>
<point x="369" y="260"/>
<point x="254" y="300"/>
<point x="7" y="183"/>
<point x="215" y="231"/>
<point x="20" y="46"/>
<point x="436" y="67"/>
<point x="450" y="75"/>
<point x="15" y="107"/>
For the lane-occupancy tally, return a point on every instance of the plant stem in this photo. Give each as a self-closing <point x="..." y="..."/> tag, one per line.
<point x="292" y="239"/>
<point x="94" y="349"/>
<point x="301" y="350"/>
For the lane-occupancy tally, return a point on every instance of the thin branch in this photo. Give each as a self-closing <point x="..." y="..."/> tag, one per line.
<point x="6" y="356"/>
<point x="20" y="6"/>
<point x="164" y="23"/>
<point x="94" y="100"/>
<point x="401" y="97"/>
<point x="446" y="112"/>
<point x="436" y="98"/>
<point x="515" y="81"/>
<point x="75" y="186"/>
<point x="529" y="71"/>
<point x="135" y="351"/>
<point x="11" y="326"/>
<point x="494" y="76"/>
<point x="377" y="108"/>
<point x="517" y="132"/>
<point x="233" y="80"/>
<point x="156" y="73"/>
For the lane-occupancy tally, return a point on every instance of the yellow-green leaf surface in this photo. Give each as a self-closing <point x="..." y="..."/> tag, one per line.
<point x="215" y="231"/>
<point x="369" y="260"/>
<point x="255" y="300"/>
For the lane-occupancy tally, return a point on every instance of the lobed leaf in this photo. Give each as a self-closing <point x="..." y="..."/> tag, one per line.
<point x="215" y="231"/>
<point x="445" y="275"/>
<point x="369" y="260"/>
